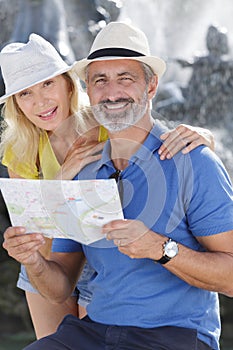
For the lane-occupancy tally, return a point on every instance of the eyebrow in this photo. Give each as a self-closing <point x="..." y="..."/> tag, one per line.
<point x="98" y="75"/>
<point x="128" y="73"/>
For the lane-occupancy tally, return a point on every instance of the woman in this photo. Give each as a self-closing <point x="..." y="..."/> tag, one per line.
<point x="42" y="138"/>
<point x="50" y="134"/>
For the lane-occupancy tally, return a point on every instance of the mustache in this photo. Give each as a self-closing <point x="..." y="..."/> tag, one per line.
<point x="119" y="100"/>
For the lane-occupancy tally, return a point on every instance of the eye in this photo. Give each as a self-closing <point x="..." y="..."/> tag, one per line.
<point x="127" y="78"/>
<point x="48" y="83"/>
<point x="100" y="81"/>
<point x="24" y="93"/>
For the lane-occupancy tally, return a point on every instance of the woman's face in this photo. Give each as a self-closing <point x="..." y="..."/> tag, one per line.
<point x="46" y="104"/>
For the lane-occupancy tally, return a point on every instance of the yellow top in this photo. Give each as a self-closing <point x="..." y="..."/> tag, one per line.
<point x="48" y="162"/>
<point x="103" y="134"/>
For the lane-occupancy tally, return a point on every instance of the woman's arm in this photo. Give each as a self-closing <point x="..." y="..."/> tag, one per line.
<point x="14" y="175"/>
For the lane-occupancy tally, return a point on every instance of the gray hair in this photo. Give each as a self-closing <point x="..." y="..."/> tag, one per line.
<point x="148" y="72"/>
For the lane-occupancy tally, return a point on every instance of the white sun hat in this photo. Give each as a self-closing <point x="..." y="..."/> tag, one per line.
<point x="119" y="40"/>
<point x="24" y="65"/>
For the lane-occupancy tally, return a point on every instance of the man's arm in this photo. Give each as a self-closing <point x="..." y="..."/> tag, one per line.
<point x="56" y="278"/>
<point x="210" y="270"/>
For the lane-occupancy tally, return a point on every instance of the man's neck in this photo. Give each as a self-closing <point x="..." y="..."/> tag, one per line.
<point x="126" y="142"/>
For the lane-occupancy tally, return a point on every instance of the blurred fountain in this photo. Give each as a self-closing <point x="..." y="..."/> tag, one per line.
<point x="208" y="93"/>
<point x="177" y="28"/>
<point x="46" y="18"/>
<point x="201" y="93"/>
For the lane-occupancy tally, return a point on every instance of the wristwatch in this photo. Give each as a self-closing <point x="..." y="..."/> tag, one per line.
<point x="170" y="250"/>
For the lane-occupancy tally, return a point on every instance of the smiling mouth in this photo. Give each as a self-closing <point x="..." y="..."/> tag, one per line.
<point x="116" y="105"/>
<point x="48" y="115"/>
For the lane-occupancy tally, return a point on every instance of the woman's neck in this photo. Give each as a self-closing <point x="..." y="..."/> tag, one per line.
<point x="63" y="138"/>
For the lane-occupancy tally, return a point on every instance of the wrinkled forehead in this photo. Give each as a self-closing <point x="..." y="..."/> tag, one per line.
<point x="114" y="67"/>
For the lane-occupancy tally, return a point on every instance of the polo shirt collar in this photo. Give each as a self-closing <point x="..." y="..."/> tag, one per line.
<point x="145" y="152"/>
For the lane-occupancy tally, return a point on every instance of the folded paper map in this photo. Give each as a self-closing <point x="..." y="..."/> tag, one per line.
<point x="62" y="208"/>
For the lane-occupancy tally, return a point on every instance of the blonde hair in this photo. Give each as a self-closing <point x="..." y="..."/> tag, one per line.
<point x="21" y="135"/>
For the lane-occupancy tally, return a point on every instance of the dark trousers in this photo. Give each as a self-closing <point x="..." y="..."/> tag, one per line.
<point x="75" y="334"/>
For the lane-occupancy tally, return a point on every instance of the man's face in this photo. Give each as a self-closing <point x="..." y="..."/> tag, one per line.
<point x="118" y="93"/>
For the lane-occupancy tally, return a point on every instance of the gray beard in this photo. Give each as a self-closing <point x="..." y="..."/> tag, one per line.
<point x="115" y="122"/>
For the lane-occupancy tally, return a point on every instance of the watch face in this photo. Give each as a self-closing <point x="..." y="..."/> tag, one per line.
<point x="171" y="249"/>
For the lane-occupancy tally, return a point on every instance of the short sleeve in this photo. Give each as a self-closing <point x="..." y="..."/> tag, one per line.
<point x="210" y="209"/>
<point x="22" y="169"/>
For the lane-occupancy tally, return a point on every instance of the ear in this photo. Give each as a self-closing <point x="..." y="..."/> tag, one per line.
<point x="87" y="87"/>
<point x="152" y="87"/>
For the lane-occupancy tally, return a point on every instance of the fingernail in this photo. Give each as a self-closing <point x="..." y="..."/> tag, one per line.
<point x="21" y="230"/>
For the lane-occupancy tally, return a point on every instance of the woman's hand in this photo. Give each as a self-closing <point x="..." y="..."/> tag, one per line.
<point x="81" y="153"/>
<point x="186" y="138"/>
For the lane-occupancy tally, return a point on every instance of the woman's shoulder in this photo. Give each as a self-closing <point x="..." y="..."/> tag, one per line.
<point x="13" y="163"/>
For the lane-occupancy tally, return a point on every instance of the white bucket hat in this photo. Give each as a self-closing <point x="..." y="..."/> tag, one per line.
<point x="119" y="40"/>
<point x="24" y="65"/>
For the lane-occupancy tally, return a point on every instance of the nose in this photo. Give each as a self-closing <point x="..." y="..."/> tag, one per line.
<point x="113" y="91"/>
<point x="40" y="99"/>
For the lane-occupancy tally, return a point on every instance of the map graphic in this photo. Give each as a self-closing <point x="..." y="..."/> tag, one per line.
<point x="62" y="208"/>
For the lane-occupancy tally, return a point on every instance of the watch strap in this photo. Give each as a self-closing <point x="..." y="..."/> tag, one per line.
<point x="163" y="260"/>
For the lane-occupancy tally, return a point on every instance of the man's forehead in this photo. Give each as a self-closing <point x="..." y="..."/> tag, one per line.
<point x="114" y="66"/>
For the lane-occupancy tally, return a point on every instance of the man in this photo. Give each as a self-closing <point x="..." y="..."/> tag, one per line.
<point x="156" y="286"/>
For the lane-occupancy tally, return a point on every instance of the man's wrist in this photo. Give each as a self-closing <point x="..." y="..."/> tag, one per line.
<point x="37" y="267"/>
<point x="170" y="250"/>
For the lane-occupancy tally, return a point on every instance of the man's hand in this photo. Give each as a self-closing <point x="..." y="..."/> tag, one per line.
<point x="21" y="246"/>
<point x="185" y="138"/>
<point x="134" y="239"/>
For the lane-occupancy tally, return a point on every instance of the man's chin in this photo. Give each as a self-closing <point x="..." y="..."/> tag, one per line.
<point x="115" y="128"/>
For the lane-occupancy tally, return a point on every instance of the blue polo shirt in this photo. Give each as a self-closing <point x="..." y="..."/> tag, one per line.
<point x="182" y="198"/>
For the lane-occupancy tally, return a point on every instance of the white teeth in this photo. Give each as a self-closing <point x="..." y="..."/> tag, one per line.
<point x="47" y="114"/>
<point x="115" y="106"/>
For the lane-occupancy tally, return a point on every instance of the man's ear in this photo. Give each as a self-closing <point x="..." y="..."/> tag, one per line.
<point x="87" y="87"/>
<point x="152" y="87"/>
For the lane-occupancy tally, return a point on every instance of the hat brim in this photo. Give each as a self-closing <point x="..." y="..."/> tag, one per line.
<point x="3" y="98"/>
<point x="157" y="64"/>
